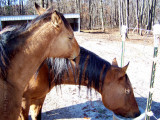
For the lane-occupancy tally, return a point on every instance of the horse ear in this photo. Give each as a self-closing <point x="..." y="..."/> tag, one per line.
<point x="39" y="9"/>
<point x="124" y="69"/>
<point x="56" y="19"/>
<point x="114" y="62"/>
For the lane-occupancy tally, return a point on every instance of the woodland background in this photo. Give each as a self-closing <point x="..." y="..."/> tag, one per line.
<point x="95" y="14"/>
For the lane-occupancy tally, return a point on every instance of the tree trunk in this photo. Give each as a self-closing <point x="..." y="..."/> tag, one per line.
<point x="154" y="8"/>
<point x="51" y="2"/>
<point x="120" y="16"/>
<point x="20" y="10"/>
<point x="127" y="13"/>
<point x="137" y="16"/>
<point x="90" y="13"/>
<point x="102" y="18"/>
<point x="64" y="6"/>
<point x="77" y="6"/>
<point x="141" y="18"/>
<point x="151" y="13"/>
<point x="22" y="7"/>
<point x="58" y="5"/>
<point x="42" y="3"/>
<point x="8" y="2"/>
<point x="47" y="3"/>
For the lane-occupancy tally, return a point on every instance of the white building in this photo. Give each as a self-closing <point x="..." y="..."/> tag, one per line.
<point x="73" y="19"/>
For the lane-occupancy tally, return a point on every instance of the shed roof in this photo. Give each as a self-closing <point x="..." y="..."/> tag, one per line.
<point x="30" y="17"/>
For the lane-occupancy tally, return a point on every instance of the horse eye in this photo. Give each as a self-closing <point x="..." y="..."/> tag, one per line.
<point x="127" y="91"/>
<point x="70" y="38"/>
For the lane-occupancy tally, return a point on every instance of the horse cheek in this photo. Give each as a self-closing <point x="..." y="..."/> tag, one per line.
<point x="107" y="98"/>
<point x="105" y="103"/>
<point x="75" y="48"/>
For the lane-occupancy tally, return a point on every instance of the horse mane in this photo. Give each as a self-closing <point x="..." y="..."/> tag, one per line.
<point x="95" y="69"/>
<point x="9" y="44"/>
<point x="57" y="68"/>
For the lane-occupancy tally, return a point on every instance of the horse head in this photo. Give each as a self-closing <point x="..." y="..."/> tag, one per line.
<point x="117" y="92"/>
<point x="59" y="32"/>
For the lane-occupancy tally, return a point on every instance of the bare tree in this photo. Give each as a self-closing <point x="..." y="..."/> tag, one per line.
<point x="127" y="13"/>
<point x="141" y="17"/>
<point x="151" y="13"/>
<point x="47" y="3"/>
<point x="42" y="3"/>
<point x="94" y="14"/>
<point x="137" y="15"/>
<point x="154" y="9"/>
<point x="102" y="19"/>
<point x="58" y="5"/>
<point x="116" y="14"/>
<point x="90" y="14"/>
<point x="122" y="15"/>
<point x="8" y="2"/>
<point x="120" y="23"/>
<point x="51" y="2"/>
<point x="77" y="6"/>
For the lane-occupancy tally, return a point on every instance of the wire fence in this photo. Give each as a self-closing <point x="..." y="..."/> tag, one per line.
<point x="156" y="33"/>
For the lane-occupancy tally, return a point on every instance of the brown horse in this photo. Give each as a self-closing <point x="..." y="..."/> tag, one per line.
<point x="89" y="70"/>
<point x="22" y="51"/>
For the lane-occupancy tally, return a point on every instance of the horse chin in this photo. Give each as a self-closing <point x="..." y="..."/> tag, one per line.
<point x="73" y="56"/>
<point x="127" y="114"/>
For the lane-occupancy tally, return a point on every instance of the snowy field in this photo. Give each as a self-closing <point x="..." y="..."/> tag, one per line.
<point x="68" y="103"/>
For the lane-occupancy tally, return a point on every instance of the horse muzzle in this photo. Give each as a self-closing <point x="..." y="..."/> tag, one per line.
<point x="75" y="54"/>
<point x="127" y="114"/>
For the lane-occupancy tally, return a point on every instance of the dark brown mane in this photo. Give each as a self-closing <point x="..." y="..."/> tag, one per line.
<point x="9" y="45"/>
<point x="95" y="71"/>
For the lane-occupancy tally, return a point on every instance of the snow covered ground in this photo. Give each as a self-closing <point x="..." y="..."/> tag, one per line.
<point x="68" y="103"/>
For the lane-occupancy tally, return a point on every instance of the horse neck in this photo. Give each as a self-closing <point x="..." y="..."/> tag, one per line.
<point x="29" y="57"/>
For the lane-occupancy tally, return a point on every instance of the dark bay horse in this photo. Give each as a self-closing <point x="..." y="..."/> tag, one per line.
<point x="22" y="51"/>
<point x="89" y="70"/>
